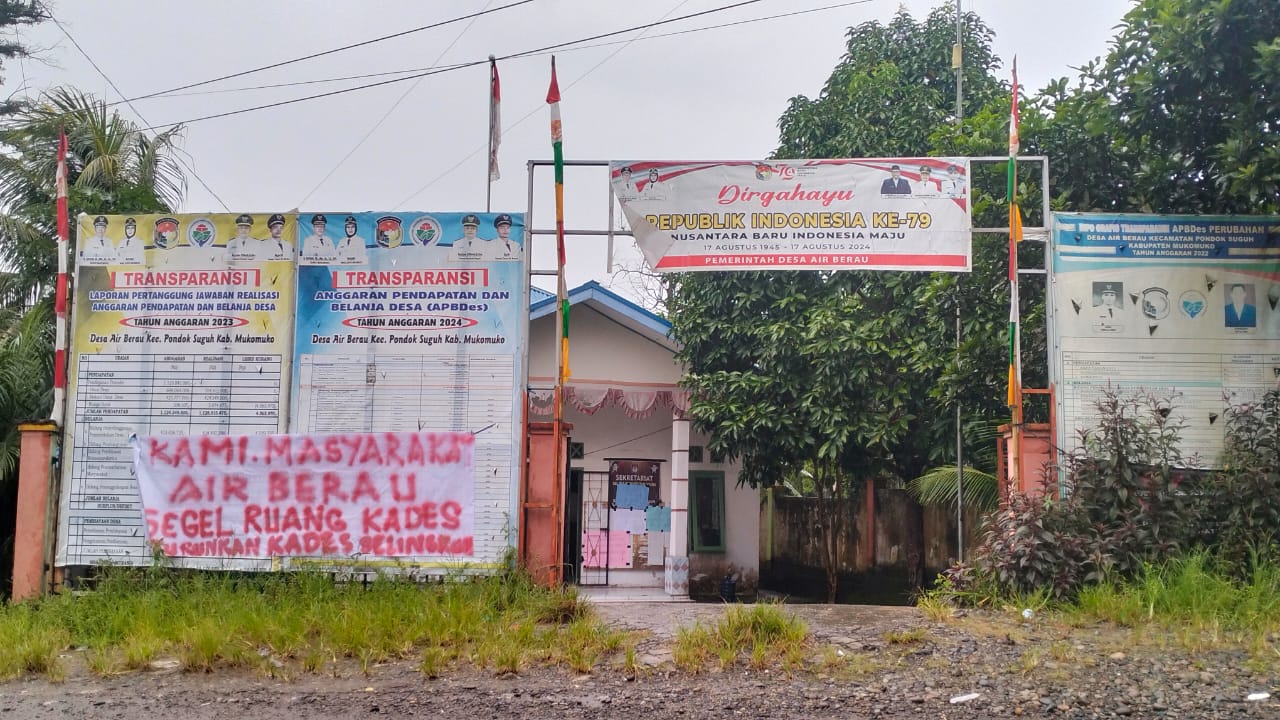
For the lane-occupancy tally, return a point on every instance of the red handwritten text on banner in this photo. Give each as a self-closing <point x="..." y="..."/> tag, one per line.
<point x="259" y="496"/>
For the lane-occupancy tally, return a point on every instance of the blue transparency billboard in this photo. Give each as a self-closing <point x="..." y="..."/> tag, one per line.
<point x="415" y="321"/>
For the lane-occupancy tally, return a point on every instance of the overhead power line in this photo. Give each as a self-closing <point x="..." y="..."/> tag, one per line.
<point x="580" y="78"/>
<point x="390" y="109"/>
<point x="405" y="71"/>
<point x="534" y="51"/>
<point x="538" y="107"/>
<point x="344" y="48"/>
<point x="111" y="82"/>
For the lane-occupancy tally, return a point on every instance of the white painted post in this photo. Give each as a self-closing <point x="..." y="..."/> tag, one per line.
<point x="676" y="565"/>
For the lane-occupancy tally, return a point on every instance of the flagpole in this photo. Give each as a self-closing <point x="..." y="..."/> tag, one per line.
<point x="957" y="62"/>
<point x="60" y="299"/>
<point x="1015" y="331"/>
<point x="494" y="129"/>
<point x="562" y="295"/>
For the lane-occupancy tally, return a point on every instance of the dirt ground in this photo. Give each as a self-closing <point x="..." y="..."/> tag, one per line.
<point x="878" y="662"/>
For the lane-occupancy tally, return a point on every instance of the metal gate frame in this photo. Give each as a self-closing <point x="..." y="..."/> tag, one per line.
<point x="595" y="517"/>
<point x="1040" y="233"/>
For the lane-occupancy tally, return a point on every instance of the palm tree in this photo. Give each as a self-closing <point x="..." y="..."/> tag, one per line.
<point x="112" y="166"/>
<point x="937" y="486"/>
<point x="26" y="380"/>
<point x="26" y="376"/>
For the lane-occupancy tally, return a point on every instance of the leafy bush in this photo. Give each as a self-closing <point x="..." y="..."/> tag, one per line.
<point x="1243" y="510"/>
<point x="1027" y="546"/>
<point x="1132" y="500"/>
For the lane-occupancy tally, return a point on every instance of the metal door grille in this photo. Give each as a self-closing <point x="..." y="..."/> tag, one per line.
<point x="594" y="563"/>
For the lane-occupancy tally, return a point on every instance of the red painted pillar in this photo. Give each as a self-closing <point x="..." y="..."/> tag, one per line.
<point x="36" y="518"/>
<point x="542" y="505"/>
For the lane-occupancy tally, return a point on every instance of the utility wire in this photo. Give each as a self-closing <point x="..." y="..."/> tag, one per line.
<point x="457" y="67"/>
<point x="534" y="111"/>
<point x="110" y="82"/>
<point x="387" y="73"/>
<point x="386" y="114"/>
<point x="331" y="52"/>
<point x="295" y="83"/>
<point x="624" y="442"/>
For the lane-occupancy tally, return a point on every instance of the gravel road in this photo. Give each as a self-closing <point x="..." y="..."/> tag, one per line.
<point x="884" y="662"/>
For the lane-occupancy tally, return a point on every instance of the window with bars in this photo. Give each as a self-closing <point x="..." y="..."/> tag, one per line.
<point x="706" y="511"/>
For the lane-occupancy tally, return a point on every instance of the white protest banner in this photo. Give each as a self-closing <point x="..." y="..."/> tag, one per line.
<point x="390" y="494"/>
<point x="851" y="214"/>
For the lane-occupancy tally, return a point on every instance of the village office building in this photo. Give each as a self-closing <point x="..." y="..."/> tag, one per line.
<point x="628" y="412"/>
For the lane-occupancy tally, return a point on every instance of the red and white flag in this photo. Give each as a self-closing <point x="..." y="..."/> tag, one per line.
<point x="495" y="120"/>
<point x="61" y="183"/>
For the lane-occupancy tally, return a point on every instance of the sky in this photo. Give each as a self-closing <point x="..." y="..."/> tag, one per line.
<point x="715" y="94"/>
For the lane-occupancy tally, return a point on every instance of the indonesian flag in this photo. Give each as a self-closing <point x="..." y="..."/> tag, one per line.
<point x="495" y="119"/>
<point x="61" y="182"/>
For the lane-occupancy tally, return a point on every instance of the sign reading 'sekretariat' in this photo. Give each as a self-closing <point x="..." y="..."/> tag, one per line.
<point x="859" y="214"/>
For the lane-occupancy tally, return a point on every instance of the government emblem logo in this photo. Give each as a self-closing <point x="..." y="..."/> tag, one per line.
<point x="425" y="230"/>
<point x="166" y="234"/>
<point x="389" y="233"/>
<point x="201" y="232"/>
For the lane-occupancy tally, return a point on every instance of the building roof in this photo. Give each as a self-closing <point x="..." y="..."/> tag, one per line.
<point x="611" y="305"/>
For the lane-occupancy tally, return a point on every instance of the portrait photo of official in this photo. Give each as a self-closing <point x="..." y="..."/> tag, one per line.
<point x="130" y="249"/>
<point x="624" y="188"/>
<point x="1241" y="309"/>
<point x="1108" y="299"/>
<point x="895" y="184"/>
<point x="318" y="248"/>
<point x="275" y="246"/>
<point x="953" y="182"/>
<point x="351" y="247"/>
<point x="98" y="249"/>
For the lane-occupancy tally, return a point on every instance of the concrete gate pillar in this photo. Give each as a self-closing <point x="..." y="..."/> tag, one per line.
<point x="676" y="564"/>
<point x="33" y="535"/>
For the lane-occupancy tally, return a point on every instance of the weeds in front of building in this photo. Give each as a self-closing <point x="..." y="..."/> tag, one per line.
<point x="1141" y="537"/>
<point x="290" y="623"/>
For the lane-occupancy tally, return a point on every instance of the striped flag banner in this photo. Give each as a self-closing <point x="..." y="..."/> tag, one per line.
<point x="557" y="146"/>
<point x="495" y="119"/>
<point x="1015" y="236"/>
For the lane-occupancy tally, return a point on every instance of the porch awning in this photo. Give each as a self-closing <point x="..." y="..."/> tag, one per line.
<point x="637" y="400"/>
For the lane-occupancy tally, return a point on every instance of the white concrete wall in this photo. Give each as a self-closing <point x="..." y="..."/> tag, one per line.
<point x="600" y="349"/>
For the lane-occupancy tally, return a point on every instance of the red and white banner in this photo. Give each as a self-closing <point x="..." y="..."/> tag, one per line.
<point x="854" y="214"/>
<point x="394" y="494"/>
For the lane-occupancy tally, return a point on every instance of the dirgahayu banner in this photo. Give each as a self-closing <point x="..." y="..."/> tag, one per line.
<point x="853" y="214"/>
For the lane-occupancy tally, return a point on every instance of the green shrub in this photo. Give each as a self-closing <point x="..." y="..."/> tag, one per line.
<point x="1133" y="501"/>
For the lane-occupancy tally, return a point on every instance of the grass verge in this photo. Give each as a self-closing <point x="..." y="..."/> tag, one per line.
<point x="304" y="622"/>
<point x="761" y="635"/>
<point x="1190" y="595"/>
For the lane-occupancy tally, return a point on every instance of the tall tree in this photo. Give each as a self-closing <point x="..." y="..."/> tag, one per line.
<point x="112" y="166"/>
<point x="1181" y="116"/>
<point x="15" y="15"/>
<point x="892" y="89"/>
